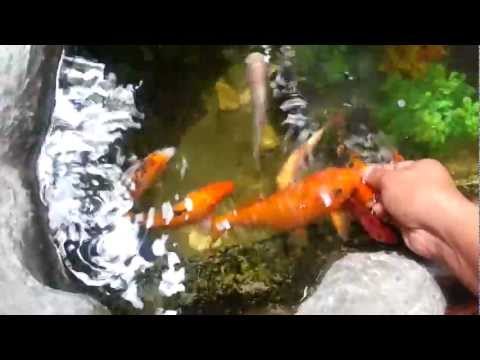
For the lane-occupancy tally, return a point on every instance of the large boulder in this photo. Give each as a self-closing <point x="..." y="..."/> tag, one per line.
<point x="376" y="284"/>
<point x="30" y="267"/>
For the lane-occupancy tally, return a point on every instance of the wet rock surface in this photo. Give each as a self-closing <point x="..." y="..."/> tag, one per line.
<point x="376" y="284"/>
<point x="30" y="267"/>
<point x="21" y="292"/>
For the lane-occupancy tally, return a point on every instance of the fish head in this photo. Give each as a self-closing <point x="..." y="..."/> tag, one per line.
<point x="255" y="58"/>
<point x="158" y="160"/>
<point x="145" y="173"/>
<point x="257" y="70"/>
<point x="206" y="199"/>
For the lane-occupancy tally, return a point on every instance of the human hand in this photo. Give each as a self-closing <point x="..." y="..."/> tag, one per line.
<point x="435" y="220"/>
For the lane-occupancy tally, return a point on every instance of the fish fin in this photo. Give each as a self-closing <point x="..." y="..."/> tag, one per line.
<point x="301" y="159"/>
<point x="341" y="221"/>
<point x="315" y="139"/>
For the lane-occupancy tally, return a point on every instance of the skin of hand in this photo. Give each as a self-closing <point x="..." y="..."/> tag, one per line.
<point x="437" y="222"/>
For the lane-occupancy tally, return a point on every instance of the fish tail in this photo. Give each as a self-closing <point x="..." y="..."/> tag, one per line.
<point x="314" y="141"/>
<point x="143" y="219"/>
<point x="341" y="221"/>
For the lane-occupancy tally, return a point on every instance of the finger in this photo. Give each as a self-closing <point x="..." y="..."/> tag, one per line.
<point x="403" y="165"/>
<point x="380" y="211"/>
<point x="373" y="175"/>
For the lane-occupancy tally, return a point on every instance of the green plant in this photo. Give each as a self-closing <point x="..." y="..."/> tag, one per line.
<point x="429" y="113"/>
<point x="323" y="65"/>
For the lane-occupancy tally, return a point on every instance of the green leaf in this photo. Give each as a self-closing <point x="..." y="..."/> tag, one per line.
<point x="440" y="107"/>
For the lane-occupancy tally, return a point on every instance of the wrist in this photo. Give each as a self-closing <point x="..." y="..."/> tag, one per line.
<point x="459" y="233"/>
<point x="457" y="217"/>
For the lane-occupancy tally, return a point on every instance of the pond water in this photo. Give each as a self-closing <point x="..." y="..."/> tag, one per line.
<point x="197" y="99"/>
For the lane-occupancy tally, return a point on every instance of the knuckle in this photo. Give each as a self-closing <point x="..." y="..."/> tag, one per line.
<point x="432" y="163"/>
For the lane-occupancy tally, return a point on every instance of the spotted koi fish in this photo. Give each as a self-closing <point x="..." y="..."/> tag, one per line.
<point x="146" y="172"/>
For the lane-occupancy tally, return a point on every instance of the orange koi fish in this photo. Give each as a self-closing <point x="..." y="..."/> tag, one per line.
<point x="145" y="173"/>
<point x="197" y="206"/>
<point x="301" y="203"/>
<point x="332" y="191"/>
<point x="372" y="224"/>
<point x="297" y="161"/>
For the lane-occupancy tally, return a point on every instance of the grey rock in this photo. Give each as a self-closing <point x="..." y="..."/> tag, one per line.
<point x="376" y="284"/>
<point x="29" y="262"/>
<point x="21" y="292"/>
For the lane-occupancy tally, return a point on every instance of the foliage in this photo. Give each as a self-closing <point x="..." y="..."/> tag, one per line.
<point x="323" y="65"/>
<point x="429" y="112"/>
